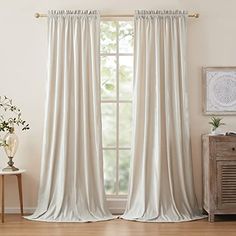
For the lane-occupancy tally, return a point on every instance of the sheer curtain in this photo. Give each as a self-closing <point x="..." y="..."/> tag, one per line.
<point x="161" y="183"/>
<point x="71" y="184"/>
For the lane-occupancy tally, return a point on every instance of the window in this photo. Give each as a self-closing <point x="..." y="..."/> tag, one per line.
<point x="116" y="56"/>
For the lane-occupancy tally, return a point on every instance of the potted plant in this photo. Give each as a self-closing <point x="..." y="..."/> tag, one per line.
<point x="10" y="115"/>
<point x="216" y="123"/>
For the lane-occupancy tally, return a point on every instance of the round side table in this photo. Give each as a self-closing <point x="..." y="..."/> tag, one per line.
<point x="18" y="174"/>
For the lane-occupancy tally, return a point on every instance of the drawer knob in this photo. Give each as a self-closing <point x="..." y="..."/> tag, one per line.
<point x="233" y="149"/>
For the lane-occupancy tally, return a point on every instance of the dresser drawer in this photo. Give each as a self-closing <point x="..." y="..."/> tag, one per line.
<point x="225" y="149"/>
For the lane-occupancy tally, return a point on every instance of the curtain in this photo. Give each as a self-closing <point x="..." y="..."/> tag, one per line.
<point x="71" y="184"/>
<point x="161" y="181"/>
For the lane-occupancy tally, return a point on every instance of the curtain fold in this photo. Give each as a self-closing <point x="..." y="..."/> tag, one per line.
<point x="161" y="179"/>
<point x="71" y="183"/>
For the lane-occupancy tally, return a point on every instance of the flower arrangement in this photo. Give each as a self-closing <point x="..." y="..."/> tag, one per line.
<point x="14" y="113"/>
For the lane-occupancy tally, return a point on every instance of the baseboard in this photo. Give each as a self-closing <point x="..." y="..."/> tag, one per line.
<point x="30" y="210"/>
<point x="16" y="210"/>
<point x="115" y="205"/>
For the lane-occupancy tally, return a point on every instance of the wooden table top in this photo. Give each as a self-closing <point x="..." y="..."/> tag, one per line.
<point x="20" y="171"/>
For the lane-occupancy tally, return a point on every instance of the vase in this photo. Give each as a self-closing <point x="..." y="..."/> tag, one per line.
<point x="215" y="131"/>
<point x="11" y="141"/>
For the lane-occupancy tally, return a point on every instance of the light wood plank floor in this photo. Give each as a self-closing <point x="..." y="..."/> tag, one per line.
<point x="16" y="226"/>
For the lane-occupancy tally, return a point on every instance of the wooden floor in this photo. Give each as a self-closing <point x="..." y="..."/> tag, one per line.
<point x="16" y="226"/>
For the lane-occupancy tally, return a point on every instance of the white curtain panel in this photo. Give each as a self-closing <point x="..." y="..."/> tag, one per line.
<point x="161" y="182"/>
<point x="71" y="184"/>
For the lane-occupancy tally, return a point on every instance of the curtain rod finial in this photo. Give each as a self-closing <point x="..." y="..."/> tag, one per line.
<point x="36" y="15"/>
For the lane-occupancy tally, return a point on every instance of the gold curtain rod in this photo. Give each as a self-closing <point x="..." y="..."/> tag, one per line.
<point x="39" y="15"/>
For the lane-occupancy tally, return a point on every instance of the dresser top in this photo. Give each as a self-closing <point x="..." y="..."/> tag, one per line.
<point x="219" y="138"/>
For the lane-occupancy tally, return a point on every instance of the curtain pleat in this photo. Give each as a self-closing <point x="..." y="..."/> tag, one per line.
<point x="71" y="183"/>
<point x="161" y="178"/>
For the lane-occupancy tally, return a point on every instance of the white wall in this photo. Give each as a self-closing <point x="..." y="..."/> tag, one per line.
<point x="23" y="55"/>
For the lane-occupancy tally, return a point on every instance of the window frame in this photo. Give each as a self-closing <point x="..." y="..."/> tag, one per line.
<point x="117" y="201"/>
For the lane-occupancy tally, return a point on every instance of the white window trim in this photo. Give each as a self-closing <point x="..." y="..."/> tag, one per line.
<point x="116" y="202"/>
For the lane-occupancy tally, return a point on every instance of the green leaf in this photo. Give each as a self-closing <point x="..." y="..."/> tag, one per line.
<point x="109" y="87"/>
<point x="6" y="105"/>
<point x="216" y="122"/>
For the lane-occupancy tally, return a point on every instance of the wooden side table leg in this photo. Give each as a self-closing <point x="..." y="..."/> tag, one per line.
<point x="211" y="217"/>
<point x="2" y="196"/>
<point x="20" y="192"/>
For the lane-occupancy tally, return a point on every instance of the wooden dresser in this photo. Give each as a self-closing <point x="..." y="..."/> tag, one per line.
<point x="219" y="175"/>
